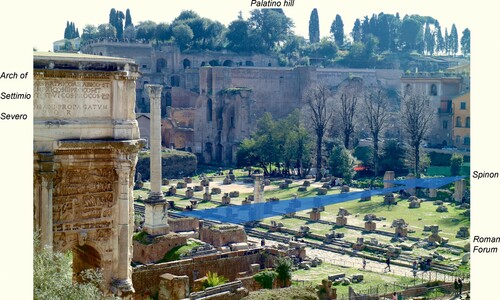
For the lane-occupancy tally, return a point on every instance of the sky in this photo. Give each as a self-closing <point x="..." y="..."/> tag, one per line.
<point x="95" y="12"/>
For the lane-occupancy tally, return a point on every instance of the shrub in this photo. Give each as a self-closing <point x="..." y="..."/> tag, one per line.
<point x="213" y="279"/>
<point x="266" y="278"/>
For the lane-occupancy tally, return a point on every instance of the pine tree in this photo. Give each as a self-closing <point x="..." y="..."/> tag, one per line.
<point x="337" y="29"/>
<point x="314" y="27"/>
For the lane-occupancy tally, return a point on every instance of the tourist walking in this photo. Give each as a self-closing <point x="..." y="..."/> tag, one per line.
<point x="460" y="286"/>
<point x="394" y="296"/>
<point x="455" y="285"/>
<point x="388" y="263"/>
<point x="364" y="263"/>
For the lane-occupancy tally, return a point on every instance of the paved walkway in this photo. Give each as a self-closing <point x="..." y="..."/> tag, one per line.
<point x="357" y="262"/>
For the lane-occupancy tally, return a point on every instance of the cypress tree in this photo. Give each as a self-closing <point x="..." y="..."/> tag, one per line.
<point x="128" y="19"/>
<point x="314" y="27"/>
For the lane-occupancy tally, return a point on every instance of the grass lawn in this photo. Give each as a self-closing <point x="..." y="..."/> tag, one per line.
<point x="449" y="222"/>
<point x="314" y="276"/>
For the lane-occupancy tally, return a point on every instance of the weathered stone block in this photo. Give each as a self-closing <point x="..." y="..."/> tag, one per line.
<point x="173" y="287"/>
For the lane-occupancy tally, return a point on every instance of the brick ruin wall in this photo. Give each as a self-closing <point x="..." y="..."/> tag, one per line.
<point x="218" y="237"/>
<point x="146" y="278"/>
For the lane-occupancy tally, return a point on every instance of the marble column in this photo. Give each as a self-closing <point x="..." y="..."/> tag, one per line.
<point x="47" y="175"/>
<point x="123" y="282"/>
<point x="156" y="222"/>
<point x="258" y="188"/>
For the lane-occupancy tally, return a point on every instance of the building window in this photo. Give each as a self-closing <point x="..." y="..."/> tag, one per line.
<point x="445" y="124"/>
<point x="209" y="110"/>
<point x="463" y="105"/>
<point x="458" y="122"/>
<point x="433" y="90"/>
<point x="457" y="140"/>
<point x="467" y="122"/>
<point x="467" y="140"/>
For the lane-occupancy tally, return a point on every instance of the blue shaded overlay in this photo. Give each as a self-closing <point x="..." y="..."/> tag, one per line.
<point x="250" y="212"/>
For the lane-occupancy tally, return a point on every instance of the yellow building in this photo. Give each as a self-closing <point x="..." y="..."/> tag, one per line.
<point x="461" y="121"/>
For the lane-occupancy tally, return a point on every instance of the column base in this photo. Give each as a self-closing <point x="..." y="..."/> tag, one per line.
<point x="122" y="288"/>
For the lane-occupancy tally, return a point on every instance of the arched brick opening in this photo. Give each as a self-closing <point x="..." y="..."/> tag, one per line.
<point x="85" y="257"/>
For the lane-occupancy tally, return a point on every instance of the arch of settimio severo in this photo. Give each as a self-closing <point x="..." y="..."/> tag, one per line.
<point x="86" y="141"/>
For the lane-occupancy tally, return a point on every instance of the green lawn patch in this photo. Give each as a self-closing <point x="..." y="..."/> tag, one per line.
<point x="175" y="252"/>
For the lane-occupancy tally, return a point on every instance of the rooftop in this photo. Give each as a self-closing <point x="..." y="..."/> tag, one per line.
<point x="77" y="61"/>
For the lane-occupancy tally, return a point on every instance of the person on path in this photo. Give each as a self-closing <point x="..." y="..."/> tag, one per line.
<point x="388" y="262"/>
<point x="455" y="285"/>
<point x="364" y="263"/>
<point x="394" y="296"/>
<point x="460" y="286"/>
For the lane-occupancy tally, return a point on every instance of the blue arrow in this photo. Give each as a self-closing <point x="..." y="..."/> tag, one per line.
<point x="256" y="211"/>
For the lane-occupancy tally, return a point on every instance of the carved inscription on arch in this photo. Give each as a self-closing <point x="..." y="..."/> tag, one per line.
<point x="83" y="198"/>
<point x="72" y="98"/>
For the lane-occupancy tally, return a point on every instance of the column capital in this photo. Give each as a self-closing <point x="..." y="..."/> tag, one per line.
<point x="154" y="90"/>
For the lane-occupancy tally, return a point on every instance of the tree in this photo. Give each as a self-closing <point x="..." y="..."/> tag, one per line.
<point x="411" y="33"/>
<point x="342" y="162"/>
<point x="128" y="19"/>
<point x="429" y="39"/>
<point x="357" y="33"/>
<point x="314" y="27"/>
<point x="183" y="35"/>
<point x="116" y="18"/>
<point x="270" y="27"/>
<point x="70" y="32"/>
<point x="146" y="30"/>
<point x="439" y="39"/>
<point x="106" y="31"/>
<point x="89" y="32"/>
<point x="238" y="36"/>
<point x="163" y="32"/>
<point x="417" y="117"/>
<point x="283" y="266"/>
<point x="52" y="277"/>
<point x="350" y="91"/>
<point x="456" y="163"/>
<point x="318" y="99"/>
<point x="392" y="158"/>
<point x="337" y="29"/>
<point x="465" y="42"/>
<point x="298" y="146"/>
<point x="376" y="117"/>
<point x="447" y="42"/>
<point x="454" y="40"/>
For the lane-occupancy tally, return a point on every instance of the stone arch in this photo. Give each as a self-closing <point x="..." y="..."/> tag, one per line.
<point x="207" y="154"/>
<point x="175" y="80"/>
<point x="219" y="153"/>
<point x="214" y="63"/>
<point x="85" y="257"/>
<point x="249" y="63"/>
<point x="228" y="63"/>
<point x="209" y="110"/>
<point x="433" y="91"/>
<point x="203" y="64"/>
<point x="186" y="63"/>
<point x="161" y="64"/>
